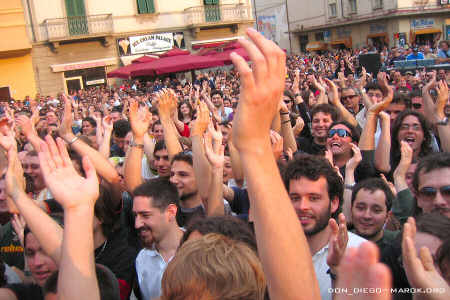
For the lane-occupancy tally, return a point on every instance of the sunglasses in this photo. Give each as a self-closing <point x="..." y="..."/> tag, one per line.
<point x="341" y="133"/>
<point x="417" y="105"/>
<point x="429" y="193"/>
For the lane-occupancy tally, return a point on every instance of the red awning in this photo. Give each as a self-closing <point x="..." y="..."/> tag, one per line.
<point x="225" y="55"/>
<point x="143" y="59"/>
<point x="123" y="72"/>
<point x="175" y="64"/>
<point x="175" y="52"/>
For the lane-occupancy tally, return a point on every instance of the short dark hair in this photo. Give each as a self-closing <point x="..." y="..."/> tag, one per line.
<point x="228" y="226"/>
<point x="314" y="167"/>
<point x="107" y="283"/>
<point x="158" y="122"/>
<point x="161" y="190"/>
<point x="355" y="133"/>
<point x="160" y="145"/>
<point x="373" y="86"/>
<point x="105" y="212"/>
<point x="443" y="255"/>
<point x="91" y="121"/>
<point x="183" y="156"/>
<point x="216" y="92"/>
<point x="435" y="224"/>
<point x="121" y="128"/>
<point x="435" y="161"/>
<point x="326" y="109"/>
<point x="373" y="185"/>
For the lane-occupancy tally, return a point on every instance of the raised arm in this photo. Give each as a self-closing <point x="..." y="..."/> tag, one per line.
<point x="214" y="151"/>
<point x="261" y="90"/>
<point x="383" y="149"/>
<point x="140" y="121"/>
<point x="286" y="128"/>
<point x="167" y="102"/>
<point x="349" y="181"/>
<point x="77" y="195"/>
<point x="27" y="127"/>
<point x="202" y="169"/>
<point x="105" y="146"/>
<point x="442" y="129"/>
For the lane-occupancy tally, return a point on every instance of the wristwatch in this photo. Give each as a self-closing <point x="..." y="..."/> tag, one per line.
<point x="444" y="121"/>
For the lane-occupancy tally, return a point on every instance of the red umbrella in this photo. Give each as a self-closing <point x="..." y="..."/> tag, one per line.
<point x="175" y="52"/>
<point x="123" y="72"/>
<point x="143" y="59"/>
<point x="173" y="64"/>
<point x="225" y="55"/>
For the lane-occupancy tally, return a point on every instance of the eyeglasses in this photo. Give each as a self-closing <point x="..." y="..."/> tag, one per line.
<point x="429" y="193"/>
<point x="417" y="105"/>
<point x="341" y="133"/>
<point x="347" y="97"/>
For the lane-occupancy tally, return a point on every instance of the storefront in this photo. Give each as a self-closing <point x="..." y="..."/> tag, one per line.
<point x="83" y="74"/>
<point x="316" y="46"/>
<point x="342" y="43"/>
<point x="447" y="29"/>
<point x="424" y="32"/>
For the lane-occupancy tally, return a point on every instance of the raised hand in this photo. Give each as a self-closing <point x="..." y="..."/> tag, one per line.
<point x="65" y="129"/>
<point x="140" y="119"/>
<point x="337" y="243"/>
<point x="442" y="99"/>
<point x="277" y="144"/>
<point x="353" y="162"/>
<point x="214" y="149"/>
<point x="405" y="162"/>
<point x="360" y="269"/>
<point x="202" y="121"/>
<point x="107" y="124"/>
<point x="299" y="124"/>
<point x="334" y="98"/>
<point x="69" y="188"/>
<point x="26" y="126"/>
<point x="167" y="103"/>
<point x="420" y="270"/>
<point x="7" y="139"/>
<point x="258" y="100"/>
<point x="375" y="108"/>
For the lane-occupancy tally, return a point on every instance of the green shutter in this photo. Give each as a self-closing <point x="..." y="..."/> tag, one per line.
<point x="146" y="6"/>
<point x="211" y="2"/>
<point x="76" y="17"/>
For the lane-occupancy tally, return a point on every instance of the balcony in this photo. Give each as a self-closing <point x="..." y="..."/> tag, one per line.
<point x="213" y="14"/>
<point x="72" y="28"/>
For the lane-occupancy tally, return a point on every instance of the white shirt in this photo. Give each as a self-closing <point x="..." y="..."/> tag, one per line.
<point x="321" y="267"/>
<point x="150" y="267"/>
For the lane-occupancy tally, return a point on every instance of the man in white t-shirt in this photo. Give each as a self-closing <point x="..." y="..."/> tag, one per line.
<point x="316" y="192"/>
<point x="217" y="101"/>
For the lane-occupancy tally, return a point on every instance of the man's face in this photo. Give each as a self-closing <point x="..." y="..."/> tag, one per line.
<point x="150" y="222"/>
<point x="227" y="169"/>
<point x="417" y="104"/>
<point x="115" y="116"/>
<point x="51" y="118"/>
<point x="158" y="132"/>
<point x="120" y="142"/>
<point x="350" y="100"/>
<point x="183" y="177"/>
<point x="87" y="128"/>
<point x="41" y="265"/>
<point x="411" y="132"/>
<point x="128" y="139"/>
<point x="225" y="133"/>
<point x="337" y="144"/>
<point x="35" y="172"/>
<point x="162" y="163"/>
<point x="375" y="96"/>
<point x="312" y="203"/>
<point x="320" y="124"/>
<point x="3" y="203"/>
<point x="429" y="196"/>
<point x="394" y="109"/>
<point x="217" y="100"/>
<point x="369" y="212"/>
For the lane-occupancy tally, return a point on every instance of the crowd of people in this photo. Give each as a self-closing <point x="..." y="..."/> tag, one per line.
<point x="298" y="177"/>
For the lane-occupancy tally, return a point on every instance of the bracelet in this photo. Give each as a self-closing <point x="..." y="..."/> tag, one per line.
<point x="349" y="186"/>
<point x="140" y="146"/>
<point x="332" y="275"/>
<point x="284" y="122"/>
<point x="284" y="113"/>
<point x="73" y="140"/>
<point x="442" y="122"/>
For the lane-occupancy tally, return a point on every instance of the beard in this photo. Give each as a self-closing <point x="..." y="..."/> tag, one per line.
<point x="370" y="236"/>
<point x="185" y="197"/>
<point x="321" y="224"/>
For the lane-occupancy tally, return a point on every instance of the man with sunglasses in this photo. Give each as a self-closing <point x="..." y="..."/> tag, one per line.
<point x="431" y="183"/>
<point x="351" y="99"/>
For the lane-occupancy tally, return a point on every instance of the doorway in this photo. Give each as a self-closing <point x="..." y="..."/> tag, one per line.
<point x="73" y="84"/>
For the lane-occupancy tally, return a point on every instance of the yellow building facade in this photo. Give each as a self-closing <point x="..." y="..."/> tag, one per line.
<point x="17" y="78"/>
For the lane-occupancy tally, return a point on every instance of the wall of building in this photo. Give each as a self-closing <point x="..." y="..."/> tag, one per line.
<point x="17" y="74"/>
<point x="272" y="21"/>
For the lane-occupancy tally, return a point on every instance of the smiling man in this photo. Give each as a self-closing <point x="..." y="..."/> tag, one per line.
<point x="155" y="207"/>
<point x="371" y="205"/>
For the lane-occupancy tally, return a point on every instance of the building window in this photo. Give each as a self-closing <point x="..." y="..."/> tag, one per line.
<point x="332" y="8"/>
<point x="211" y="2"/>
<point x="146" y="6"/>
<point x="353" y="8"/>
<point x="319" y="36"/>
<point x="377" y="4"/>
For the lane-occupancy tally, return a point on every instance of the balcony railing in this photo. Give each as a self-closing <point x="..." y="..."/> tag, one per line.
<point x="74" y="27"/>
<point x="224" y="13"/>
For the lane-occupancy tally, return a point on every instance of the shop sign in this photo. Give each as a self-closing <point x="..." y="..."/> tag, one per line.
<point x="149" y="43"/>
<point x="422" y="23"/>
<point x="97" y="81"/>
<point x="377" y="28"/>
